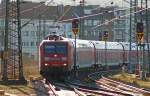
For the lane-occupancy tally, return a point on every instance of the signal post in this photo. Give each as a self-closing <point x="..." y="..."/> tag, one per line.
<point x="75" y="30"/>
<point x="105" y="38"/>
<point x="140" y="36"/>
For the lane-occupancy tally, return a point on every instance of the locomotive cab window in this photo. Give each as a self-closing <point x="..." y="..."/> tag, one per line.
<point x="55" y="48"/>
<point x="49" y="49"/>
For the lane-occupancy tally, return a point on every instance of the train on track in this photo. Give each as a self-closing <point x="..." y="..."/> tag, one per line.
<point x="56" y="55"/>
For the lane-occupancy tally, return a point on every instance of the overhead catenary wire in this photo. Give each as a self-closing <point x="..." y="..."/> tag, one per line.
<point x="67" y="11"/>
<point x="119" y="17"/>
<point x="37" y="15"/>
<point x="103" y="13"/>
<point x="30" y="9"/>
<point x="105" y="23"/>
<point x="82" y="17"/>
<point x="87" y="16"/>
<point x="64" y="14"/>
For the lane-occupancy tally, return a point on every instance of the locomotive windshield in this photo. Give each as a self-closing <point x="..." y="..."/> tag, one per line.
<point x="55" y="48"/>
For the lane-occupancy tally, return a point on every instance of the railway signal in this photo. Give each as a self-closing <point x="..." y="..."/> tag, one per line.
<point x="140" y="34"/>
<point x="75" y="30"/>
<point x="105" y="36"/>
<point x="75" y="26"/>
<point x="140" y="31"/>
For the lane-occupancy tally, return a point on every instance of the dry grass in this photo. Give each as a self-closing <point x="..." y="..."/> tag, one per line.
<point x="19" y="90"/>
<point x="30" y="69"/>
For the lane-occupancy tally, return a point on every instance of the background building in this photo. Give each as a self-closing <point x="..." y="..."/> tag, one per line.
<point x="39" y="20"/>
<point x="121" y="26"/>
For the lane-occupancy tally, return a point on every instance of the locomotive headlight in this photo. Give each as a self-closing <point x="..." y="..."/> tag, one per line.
<point x="55" y="55"/>
<point x="65" y="64"/>
<point x="46" y="64"/>
<point x="63" y="58"/>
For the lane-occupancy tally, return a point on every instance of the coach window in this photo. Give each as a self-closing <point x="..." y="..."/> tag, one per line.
<point x="100" y="56"/>
<point x="97" y="57"/>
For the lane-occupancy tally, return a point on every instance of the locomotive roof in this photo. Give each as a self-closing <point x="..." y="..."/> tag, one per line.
<point x="101" y="44"/>
<point x="114" y="45"/>
<point x="82" y="43"/>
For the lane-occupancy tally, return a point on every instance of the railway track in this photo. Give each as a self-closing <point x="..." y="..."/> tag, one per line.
<point x="123" y="87"/>
<point x="105" y="87"/>
<point x="51" y="88"/>
<point x="72" y="89"/>
<point x="88" y="91"/>
<point x="118" y="87"/>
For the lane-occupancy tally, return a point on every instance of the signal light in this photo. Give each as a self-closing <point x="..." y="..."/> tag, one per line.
<point x="75" y="23"/>
<point x="106" y="34"/>
<point x="140" y="31"/>
<point x="140" y="27"/>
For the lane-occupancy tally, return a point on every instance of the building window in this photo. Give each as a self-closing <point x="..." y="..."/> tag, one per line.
<point x="25" y="43"/>
<point x="37" y="44"/>
<point x="87" y="12"/>
<point x="32" y="33"/>
<point x="25" y="33"/>
<point x="32" y="43"/>
<point x="86" y="33"/>
<point x="85" y="22"/>
<point x="119" y="32"/>
<point x="95" y="22"/>
<point x="89" y="22"/>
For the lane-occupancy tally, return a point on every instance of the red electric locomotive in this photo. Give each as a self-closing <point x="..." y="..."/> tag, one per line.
<point x="54" y="56"/>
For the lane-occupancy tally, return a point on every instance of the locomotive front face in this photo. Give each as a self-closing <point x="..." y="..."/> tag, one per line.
<point x="55" y="54"/>
<point x="54" y="57"/>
